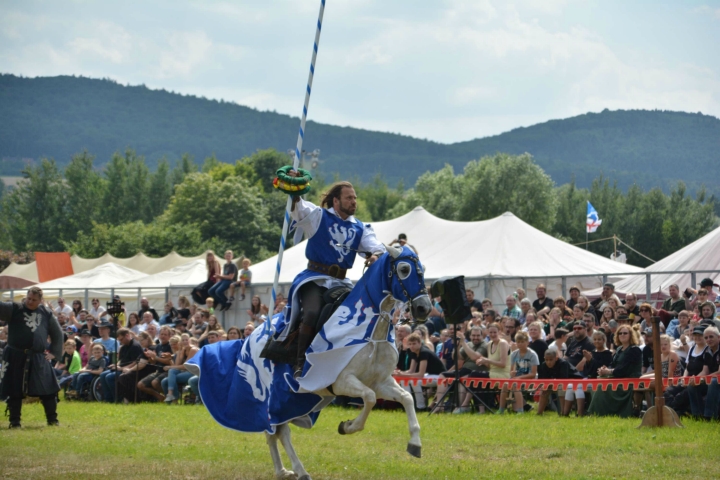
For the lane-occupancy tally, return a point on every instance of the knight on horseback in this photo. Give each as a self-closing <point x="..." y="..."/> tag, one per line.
<point x="334" y="236"/>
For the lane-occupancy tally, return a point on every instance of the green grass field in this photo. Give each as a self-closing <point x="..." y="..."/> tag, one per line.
<point x="158" y="441"/>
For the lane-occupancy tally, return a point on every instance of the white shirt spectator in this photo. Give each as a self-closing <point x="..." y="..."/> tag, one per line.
<point x="97" y="312"/>
<point x="67" y="310"/>
<point x="143" y="326"/>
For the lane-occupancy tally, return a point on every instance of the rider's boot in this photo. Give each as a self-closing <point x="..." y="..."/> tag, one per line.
<point x="306" y="333"/>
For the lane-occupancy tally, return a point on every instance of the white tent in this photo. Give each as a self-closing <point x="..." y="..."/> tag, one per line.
<point x="107" y="275"/>
<point x="191" y="273"/>
<point x="702" y="254"/>
<point x="502" y="250"/>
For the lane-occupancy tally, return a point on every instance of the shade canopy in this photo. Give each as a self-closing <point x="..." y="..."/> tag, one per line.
<point x="191" y="273"/>
<point x="502" y="247"/>
<point x="702" y="254"/>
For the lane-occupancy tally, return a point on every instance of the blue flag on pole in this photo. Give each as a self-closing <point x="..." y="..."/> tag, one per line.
<point x="593" y="221"/>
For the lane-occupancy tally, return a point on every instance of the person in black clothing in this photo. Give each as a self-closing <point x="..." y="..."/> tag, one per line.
<point x="145" y="307"/>
<point x="647" y="352"/>
<point x="543" y="304"/>
<point x="578" y="343"/>
<point x="229" y="275"/>
<point x="25" y="367"/>
<point x="537" y="344"/>
<point x="472" y="301"/>
<point x="574" y="295"/>
<point x="130" y="351"/>
<point x="158" y="357"/>
<point x="422" y="361"/>
<point x="600" y="357"/>
<point x="552" y="368"/>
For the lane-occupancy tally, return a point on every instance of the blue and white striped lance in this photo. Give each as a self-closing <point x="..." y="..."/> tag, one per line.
<point x="296" y="160"/>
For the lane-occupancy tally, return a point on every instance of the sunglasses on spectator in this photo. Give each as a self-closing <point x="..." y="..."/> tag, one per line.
<point x="623" y="333"/>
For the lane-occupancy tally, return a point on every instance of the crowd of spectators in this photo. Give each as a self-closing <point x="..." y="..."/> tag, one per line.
<point x="574" y="338"/>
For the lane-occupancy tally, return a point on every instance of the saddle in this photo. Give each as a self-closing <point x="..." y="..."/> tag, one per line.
<point x="286" y="351"/>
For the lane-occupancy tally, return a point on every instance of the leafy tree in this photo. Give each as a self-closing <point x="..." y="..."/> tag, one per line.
<point x="210" y="163"/>
<point x="114" y="203"/>
<point x="265" y="163"/>
<point x="160" y="191"/>
<point x="379" y="198"/>
<point x="34" y="209"/>
<point x="84" y="187"/>
<point x="183" y="167"/>
<point x="230" y="210"/>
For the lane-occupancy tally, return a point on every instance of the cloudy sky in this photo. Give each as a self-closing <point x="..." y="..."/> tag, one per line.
<point x="442" y="70"/>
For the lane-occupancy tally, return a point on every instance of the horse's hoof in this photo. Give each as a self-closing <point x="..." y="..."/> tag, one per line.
<point x="305" y="477"/>
<point x="287" y="475"/>
<point x="341" y="427"/>
<point x="414" y="450"/>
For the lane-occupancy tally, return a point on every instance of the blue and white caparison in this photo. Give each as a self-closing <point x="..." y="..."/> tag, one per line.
<point x="248" y="393"/>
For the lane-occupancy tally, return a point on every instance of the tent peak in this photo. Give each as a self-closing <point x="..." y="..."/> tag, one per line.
<point x="508" y="214"/>
<point x="419" y="208"/>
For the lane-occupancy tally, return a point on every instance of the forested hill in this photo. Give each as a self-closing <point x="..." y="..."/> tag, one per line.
<point x="61" y="116"/>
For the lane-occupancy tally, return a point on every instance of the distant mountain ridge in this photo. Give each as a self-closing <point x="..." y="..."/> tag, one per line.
<point x="60" y="116"/>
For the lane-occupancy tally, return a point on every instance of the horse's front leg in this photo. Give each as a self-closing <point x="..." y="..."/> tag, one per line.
<point x="283" y="432"/>
<point x="350" y="386"/>
<point x="280" y="472"/>
<point x="390" y="390"/>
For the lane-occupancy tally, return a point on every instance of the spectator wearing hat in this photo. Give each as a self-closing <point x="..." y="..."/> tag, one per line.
<point x="105" y="340"/>
<point x="699" y="362"/>
<point x="574" y="295"/>
<point x="85" y="349"/>
<point x="71" y="334"/>
<point x="707" y="284"/>
<point x="130" y="351"/>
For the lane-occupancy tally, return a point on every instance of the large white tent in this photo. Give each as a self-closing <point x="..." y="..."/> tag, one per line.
<point x="702" y="254"/>
<point x="502" y="250"/>
<point x="191" y="273"/>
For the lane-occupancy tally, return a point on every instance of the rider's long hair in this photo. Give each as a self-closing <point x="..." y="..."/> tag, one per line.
<point x="333" y="192"/>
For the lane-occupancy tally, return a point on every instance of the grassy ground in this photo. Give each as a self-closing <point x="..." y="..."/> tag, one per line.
<point x="159" y="441"/>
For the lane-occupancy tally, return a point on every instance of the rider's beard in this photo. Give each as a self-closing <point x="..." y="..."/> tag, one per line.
<point x="350" y="210"/>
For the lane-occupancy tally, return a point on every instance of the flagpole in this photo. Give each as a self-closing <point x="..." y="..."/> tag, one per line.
<point x="296" y="163"/>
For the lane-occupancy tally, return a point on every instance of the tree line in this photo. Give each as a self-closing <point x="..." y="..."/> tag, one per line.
<point x="124" y="208"/>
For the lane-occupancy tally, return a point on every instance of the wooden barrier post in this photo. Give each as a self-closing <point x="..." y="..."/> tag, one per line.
<point x="659" y="415"/>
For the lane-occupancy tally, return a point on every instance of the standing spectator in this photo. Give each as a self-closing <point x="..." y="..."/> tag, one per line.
<point x="127" y="382"/>
<point x="229" y="275"/>
<point x="552" y="368"/>
<point x="147" y="319"/>
<point x="200" y="293"/>
<point x="578" y="343"/>
<point x="105" y="340"/>
<point x="244" y="281"/>
<point x="699" y="362"/>
<point x="95" y="366"/>
<point x="712" y="399"/>
<point x="523" y="365"/>
<point x="447" y="353"/>
<point x="543" y="304"/>
<point x="675" y="303"/>
<point x="210" y="305"/>
<point x="574" y="296"/>
<point x="402" y="241"/>
<point x="130" y="351"/>
<point x="472" y="301"/>
<point x="62" y="308"/>
<point x="626" y="363"/>
<point x="511" y="310"/>
<point x="145" y="307"/>
<point x="97" y="311"/>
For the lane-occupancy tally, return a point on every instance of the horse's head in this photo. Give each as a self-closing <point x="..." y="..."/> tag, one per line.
<point x="407" y="282"/>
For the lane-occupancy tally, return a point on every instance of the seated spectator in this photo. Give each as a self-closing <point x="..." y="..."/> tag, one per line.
<point x="105" y="340"/>
<point x="543" y="304"/>
<point x="256" y="311"/>
<point x="489" y="316"/>
<point x="648" y="363"/>
<point x="130" y="351"/>
<point x="671" y="366"/>
<point x="511" y="309"/>
<point x="565" y="312"/>
<point x="62" y="308"/>
<point x="183" y="308"/>
<point x="234" y="333"/>
<point x="554" y="321"/>
<point x="145" y="307"/>
<point x="212" y="325"/>
<point x="487" y="305"/>
<point x="156" y="388"/>
<point x="712" y="399"/>
<point x="511" y="326"/>
<point x="577" y="343"/>
<point x="92" y="325"/>
<point x="227" y="277"/>
<point x="213" y="337"/>
<point x="523" y="365"/>
<point x="249" y="329"/>
<point x="86" y="348"/>
<point x="422" y="361"/>
<point x="401" y="334"/>
<point x="244" y="281"/>
<point x="633" y="310"/>
<point x="201" y="292"/>
<point x="708" y="314"/>
<point x="678" y="326"/>
<point x="169" y="315"/>
<point x="497" y="359"/>
<point x="134" y="323"/>
<point x="699" y="362"/>
<point x="177" y="373"/>
<point x="593" y="360"/>
<point x="68" y="365"/>
<point x="97" y="311"/>
<point x="614" y="301"/>
<point x="559" y="344"/>
<point x="601" y="302"/>
<point x="626" y="363"/>
<point x="128" y="380"/>
<point x="521" y="295"/>
<point x="210" y="305"/>
<point x="525" y="308"/>
<point x="552" y="368"/>
<point x="675" y="303"/>
<point x="95" y="366"/>
<point x="152" y="330"/>
<point x="425" y="337"/>
<point x="147" y="318"/>
<point x="577" y="313"/>
<point x="574" y="296"/>
<point x="158" y="356"/>
<point x="537" y="344"/>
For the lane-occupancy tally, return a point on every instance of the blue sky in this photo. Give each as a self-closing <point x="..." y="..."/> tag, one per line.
<point x="443" y="70"/>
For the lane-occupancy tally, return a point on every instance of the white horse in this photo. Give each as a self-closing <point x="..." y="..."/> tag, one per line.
<point x="396" y="277"/>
